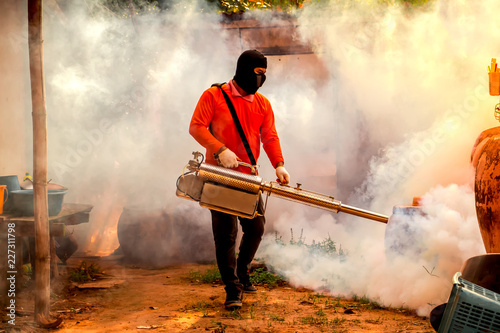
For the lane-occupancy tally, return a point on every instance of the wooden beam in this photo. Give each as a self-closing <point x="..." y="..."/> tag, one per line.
<point x="42" y="239"/>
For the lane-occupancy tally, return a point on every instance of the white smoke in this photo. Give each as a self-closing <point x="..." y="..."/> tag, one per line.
<point x="390" y="111"/>
<point x="121" y="94"/>
<point x="430" y="248"/>
<point x="412" y="96"/>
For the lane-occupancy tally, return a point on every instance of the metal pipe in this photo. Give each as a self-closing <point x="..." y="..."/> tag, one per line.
<point x="302" y="196"/>
<point x="319" y="200"/>
<point x="254" y="184"/>
<point x="363" y="213"/>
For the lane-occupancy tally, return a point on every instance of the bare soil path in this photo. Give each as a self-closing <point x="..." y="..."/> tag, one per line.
<point x="136" y="299"/>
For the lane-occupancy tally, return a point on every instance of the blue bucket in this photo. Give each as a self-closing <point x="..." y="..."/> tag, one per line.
<point x="23" y="201"/>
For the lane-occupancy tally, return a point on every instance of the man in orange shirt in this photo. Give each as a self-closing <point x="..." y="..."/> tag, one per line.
<point x="212" y="125"/>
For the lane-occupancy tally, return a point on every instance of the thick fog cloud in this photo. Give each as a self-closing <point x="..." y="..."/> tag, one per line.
<point x="390" y="112"/>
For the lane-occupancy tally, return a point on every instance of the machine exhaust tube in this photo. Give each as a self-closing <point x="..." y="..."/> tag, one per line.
<point x="254" y="184"/>
<point x="363" y="213"/>
<point x="319" y="200"/>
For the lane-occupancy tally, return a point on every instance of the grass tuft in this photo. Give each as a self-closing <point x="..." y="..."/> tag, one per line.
<point x="210" y="275"/>
<point x="322" y="321"/>
<point x="85" y="273"/>
<point x="260" y="276"/>
<point x="263" y="277"/>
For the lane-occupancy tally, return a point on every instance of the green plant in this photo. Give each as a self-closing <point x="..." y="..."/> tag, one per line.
<point x="310" y="320"/>
<point x="367" y="303"/>
<point x="198" y="306"/>
<point x="322" y="321"/>
<point x="331" y="302"/>
<point x="127" y="9"/>
<point x="235" y="314"/>
<point x="320" y="312"/>
<point x="364" y="300"/>
<point x="287" y="6"/>
<point x="262" y="276"/>
<point x="309" y="298"/>
<point x="327" y="247"/>
<point x="238" y="6"/>
<point x="276" y="318"/>
<point x="337" y="321"/>
<point x="210" y="275"/>
<point x="313" y="298"/>
<point x="85" y="272"/>
<point x="220" y="327"/>
<point x="374" y="321"/>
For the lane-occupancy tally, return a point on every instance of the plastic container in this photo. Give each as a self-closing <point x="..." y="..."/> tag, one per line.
<point x="12" y="183"/>
<point x="403" y="234"/>
<point x="471" y="309"/>
<point x="23" y="201"/>
<point x="494" y="79"/>
<point x="4" y="195"/>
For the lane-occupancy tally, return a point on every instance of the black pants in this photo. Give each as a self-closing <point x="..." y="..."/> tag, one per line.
<point x="225" y="229"/>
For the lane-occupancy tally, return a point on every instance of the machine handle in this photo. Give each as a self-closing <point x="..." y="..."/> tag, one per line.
<point x="195" y="164"/>
<point x="254" y="170"/>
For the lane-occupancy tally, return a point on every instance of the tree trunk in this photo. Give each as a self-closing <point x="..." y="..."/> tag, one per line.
<point x="42" y="240"/>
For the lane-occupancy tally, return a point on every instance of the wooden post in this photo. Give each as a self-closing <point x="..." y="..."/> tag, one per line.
<point x="42" y="240"/>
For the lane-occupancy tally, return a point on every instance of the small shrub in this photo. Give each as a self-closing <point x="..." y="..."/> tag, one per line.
<point x="322" y="321"/>
<point x="198" y="306"/>
<point x="85" y="273"/>
<point x="263" y="277"/>
<point x="327" y="247"/>
<point x="320" y="312"/>
<point x="277" y="318"/>
<point x="235" y="314"/>
<point x="369" y="304"/>
<point x="211" y="275"/>
<point x="260" y="277"/>
<point x="220" y="327"/>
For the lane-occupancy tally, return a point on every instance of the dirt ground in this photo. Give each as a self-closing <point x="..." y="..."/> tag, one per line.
<point x="130" y="298"/>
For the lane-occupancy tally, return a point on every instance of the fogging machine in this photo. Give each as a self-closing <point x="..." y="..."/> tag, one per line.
<point x="238" y="193"/>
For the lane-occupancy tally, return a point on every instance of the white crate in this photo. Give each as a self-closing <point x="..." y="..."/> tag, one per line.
<point x="471" y="309"/>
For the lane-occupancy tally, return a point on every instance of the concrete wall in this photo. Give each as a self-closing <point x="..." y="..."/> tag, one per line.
<point x="280" y="41"/>
<point x="15" y="111"/>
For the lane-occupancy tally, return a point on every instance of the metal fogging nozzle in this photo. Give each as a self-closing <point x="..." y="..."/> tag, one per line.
<point x="254" y="184"/>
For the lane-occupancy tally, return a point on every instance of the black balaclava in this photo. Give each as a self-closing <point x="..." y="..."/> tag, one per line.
<point x="245" y="76"/>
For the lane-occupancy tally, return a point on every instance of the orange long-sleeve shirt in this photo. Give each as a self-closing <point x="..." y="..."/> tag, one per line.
<point x="213" y="127"/>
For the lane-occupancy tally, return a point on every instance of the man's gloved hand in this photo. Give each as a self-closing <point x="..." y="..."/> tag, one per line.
<point x="228" y="159"/>
<point x="282" y="174"/>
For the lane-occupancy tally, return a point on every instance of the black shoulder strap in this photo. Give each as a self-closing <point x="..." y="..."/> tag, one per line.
<point x="237" y="123"/>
